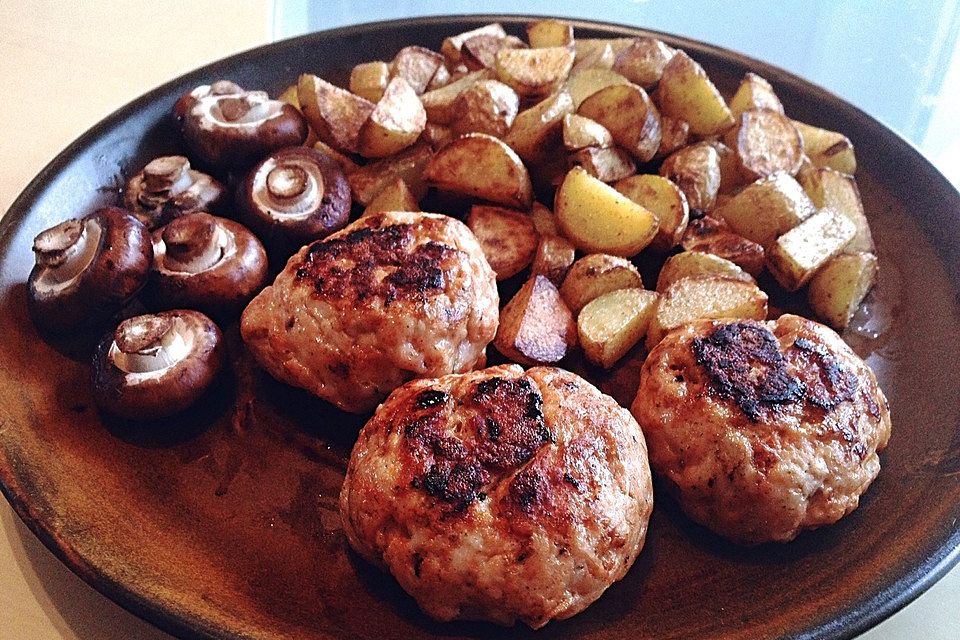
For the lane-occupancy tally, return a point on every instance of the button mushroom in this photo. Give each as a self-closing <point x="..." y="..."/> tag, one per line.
<point x="157" y="365"/>
<point x="87" y="270"/>
<point x="233" y="130"/>
<point x="293" y="197"/>
<point x="167" y="187"/>
<point x="206" y="263"/>
<point x="219" y="88"/>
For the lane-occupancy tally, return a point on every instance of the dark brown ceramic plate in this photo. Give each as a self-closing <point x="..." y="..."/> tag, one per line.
<point x="225" y="523"/>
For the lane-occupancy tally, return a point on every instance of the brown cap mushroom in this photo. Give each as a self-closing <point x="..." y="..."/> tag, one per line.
<point x="156" y="365"/>
<point x="219" y="88"/>
<point x="238" y="129"/>
<point x="87" y="270"/>
<point x="206" y="263"/>
<point x="293" y="197"/>
<point x="167" y="187"/>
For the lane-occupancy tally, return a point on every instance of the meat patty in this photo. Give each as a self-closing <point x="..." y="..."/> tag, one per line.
<point x="391" y="297"/>
<point x="762" y="429"/>
<point x="500" y="494"/>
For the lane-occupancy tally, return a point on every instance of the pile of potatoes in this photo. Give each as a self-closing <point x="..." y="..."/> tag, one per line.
<point x="636" y="150"/>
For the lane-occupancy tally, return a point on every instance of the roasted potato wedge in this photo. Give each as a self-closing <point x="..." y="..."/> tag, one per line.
<point x="642" y="62"/>
<point x="754" y="93"/>
<point x="336" y="115"/>
<point x="765" y="142"/>
<point x="534" y="73"/>
<point x="798" y="253"/>
<point x="487" y="106"/>
<point x="583" y="84"/>
<point x="693" y="264"/>
<point x="690" y="299"/>
<point x="580" y="132"/>
<point x="827" y="148"/>
<point x="596" y="274"/>
<point x="437" y="135"/>
<point x="369" y="80"/>
<point x="416" y="65"/>
<point x="395" y="123"/>
<point x="368" y="181"/>
<point x="439" y="103"/>
<point x="595" y="57"/>
<point x="396" y="196"/>
<point x="534" y="128"/>
<point x="508" y="238"/>
<point x="769" y="207"/>
<point x="595" y="217"/>
<point x="553" y="258"/>
<point x="839" y="286"/>
<point x="628" y="114"/>
<point x="592" y="49"/>
<point x="550" y="33"/>
<point x="480" y="52"/>
<point x="481" y="166"/>
<point x="685" y="92"/>
<point x="346" y="163"/>
<point x="831" y="189"/>
<point x="606" y="164"/>
<point x="441" y="78"/>
<point x="731" y="177"/>
<point x="451" y="46"/>
<point x="674" y="135"/>
<point x="712" y="235"/>
<point x="696" y="170"/>
<point x="663" y="198"/>
<point x="544" y="221"/>
<point x="536" y="327"/>
<point x="610" y="325"/>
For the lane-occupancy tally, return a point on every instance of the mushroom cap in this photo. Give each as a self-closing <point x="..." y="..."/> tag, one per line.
<point x="168" y="187"/>
<point x="206" y="263"/>
<point x="219" y="88"/>
<point x="104" y="266"/>
<point x="157" y="365"/>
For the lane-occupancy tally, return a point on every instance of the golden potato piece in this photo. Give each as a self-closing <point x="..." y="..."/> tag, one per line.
<point x="416" y="65"/>
<point x="534" y="73"/>
<point x="674" y="135"/>
<point x="696" y="170"/>
<point x="369" y="180"/>
<point x="439" y="103"/>
<point x="629" y="115"/>
<point x="369" y="80"/>
<point x="754" y="93"/>
<point x="713" y="235"/>
<point x="663" y="198"/>
<point x="831" y="189"/>
<point x="536" y="327"/>
<point x="334" y="114"/>
<point x="595" y="217"/>
<point x="441" y="78"/>
<point x="481" y="166"/>
<point x="347" y="164"/>
<point x="451" y="46"/>
<point x="553" y="258"/>
<point x="596" y="274"/>
<point x="685" y="92"/>
<point x="798" y="253"/>
<point x="769" y="207"/>
<point x="827" y="148"/>
<point x="839" y="286"/>
<point x="595" y="52"/>
<point x="535" y="128"/>
<point x="643" y="61"/>
<point x="396" y="196"/>
<point x="395" y="123"/>
<point x="765" y="142"/>
<point x="610" y="325"/>
<point x="487" y="106"/>
<point x="705" y="297"/>
<point x="550" y="33"/>
<point x="544" y="221"/>
<point x="580" y="132"/>
<point x="480" y="52"/>
<point x="606" y="164"/>
<point x="731" y="177"/>
<point x="437" y="135"/>
<point x="692" y="264"/>
<point x="507" y="237"/>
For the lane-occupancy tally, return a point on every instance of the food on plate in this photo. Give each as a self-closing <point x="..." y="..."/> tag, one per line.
<point x="840" y="285"/>
<point x="754" y="92"/>
<point x="713" y="235"/>
<point x="393" y="296"/>
<point x="766" y="209"/>
<point x="765" y="142"/>
<point x="534" y="73"/>
<point x="607" y="164"/>
<point x="167" y="187"/>
<point x="452" y="45"/>
<point x="533" y="128"/>
<point x="508" y="238"/>
<point x="798" y="253"/>
<point x="202" y="262"/>
<point x="219" y="88"/>
<point x="611" y="324"/>
<point x="629" y="115"/>
<point x="685" y="92"/>
<point x="369" y="80"/>
<point x="368" y="181"/>
<point x="762" y="429"/>
<point x="501" y="495"/>
<point x="550" y="33"/>
<point x="86" y="270"/>
<point x="553" y="258"/>
<point x="395" y="122"/>
<point x="674" y="134"/>
<point x="417" y="65"/>
<point x="536" y="326"/>
<point x="334" y="114"/>
<point x="695" y="169"/>
<point x="480" y="51"/>
<point x="439" y="103"/>
<point x="691" y="264"/>
<point x="157" y="365"/>
<point x="595" y="274"/>
<point x="396" y="196"/>
<point x="487" y="107"/>
<point x="481" y="166"/>
<point x="580" y="132"/>
<point x="665" y="199"/>
<point x="831" y="189"/>
<point x="827" y="148"/>
<point x="643" y="60"/>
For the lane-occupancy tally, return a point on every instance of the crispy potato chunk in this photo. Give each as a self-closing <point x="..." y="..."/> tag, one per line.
<point x="451" y="46"/>
<point x="544" y="221"/>
<point x="685" y="92"/>
<point x="553" y="259"/>
<point x="583" y="84"/>
<point x="369" y="180"/>
<point x="396" y="196"/>
<point x="767" y="208"/>
<point x="481" y="166"/>
<point x="550" y="33"/>
<point x="507" y="237"/>
<point x="437" y="135"/>
<point x="643" y="61"/>
<point x="534" y="73"/>
<point x="831" y="189"/>
<point x="629" y="115"/>
<point x="369" y="80"/>
<point x="536" y="327"/>
<point x="395" y="123"/>
<point x="827" y="148"/>
<point x="754" y="93"/>
<point x="696" y="170"/>
<point x="480" y="52"/>
<point x="334" y="114"/>
<point x="731" y="178"/>
<point x="439" y="103"/>
<point x="765" y="142"/>
<point x="713" y="235"/>
<point x="692" y="264"/>
<point x="839" y="286"/>
<point x="596" y="217"/>
<point x="593" y="50"/>
<point x="610" y="325"/>
<point x="705" y="297"/>
<point x="345" y="163"/>
<point x="596" y="274"/>
<point x="580" y="132"/>
<point x="606" y="164"/>
<point x="798" y="253"/>
<point x="663" y="198"/>
<point x="416" y="65"/>
<point x="534" y="128"/>
<point x="674" y="134"/>
<point x="487" y="107"/>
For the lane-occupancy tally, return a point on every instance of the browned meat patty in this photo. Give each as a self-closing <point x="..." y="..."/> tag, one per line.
<point x="762" y="429"/>
<point x="500" y="494"/>
<point x="391" y="297"/>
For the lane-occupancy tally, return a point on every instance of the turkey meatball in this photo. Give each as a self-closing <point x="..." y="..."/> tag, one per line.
<point x="500" y="494"/>
<point x="762" y="429"/>
<point x="393" y="296"/>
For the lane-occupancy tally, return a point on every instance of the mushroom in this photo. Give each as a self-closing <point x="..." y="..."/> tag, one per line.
<point x="206" y="263"/>
<point x="238" y="129"/>
<point x="167" y="187"/>
<point x="87" y="269"/>
<point x="156" y="365"/>
<point x="219" y="88"/>
<point x="293" y="197"/>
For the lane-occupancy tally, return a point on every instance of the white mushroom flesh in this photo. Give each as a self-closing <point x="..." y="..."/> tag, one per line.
<point x="222" y="246"/>
<point x="156" y="358"/>
<point x="54" y="280"/>
<point x="258" y="109"/>
<point x="273" y="181"/>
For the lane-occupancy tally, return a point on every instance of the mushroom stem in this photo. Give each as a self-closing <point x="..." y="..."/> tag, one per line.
<point x="66" y="250"/>
<point x="289" y="188"/>
<point x="169" y="174"/>
<point x="194" y="243"/>
<point x="148" y="344"/>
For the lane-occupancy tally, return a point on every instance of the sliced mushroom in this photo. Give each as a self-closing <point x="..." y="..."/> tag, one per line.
<point x="206" y="263"/>
<point x="293" y="197"/>
<point x="219" y="88"/>
<point x="167" y="187"/>
<point x="156" y="365"/>
<point x="87" y="270"/>
<point x="237" y="129"/>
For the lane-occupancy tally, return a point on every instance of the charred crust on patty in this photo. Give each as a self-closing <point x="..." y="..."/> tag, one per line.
<point x="834" y="383"/>
<point x="431" y="398"/>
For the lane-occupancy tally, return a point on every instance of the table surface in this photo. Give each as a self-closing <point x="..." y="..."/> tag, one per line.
<point x="66" y="66"/>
